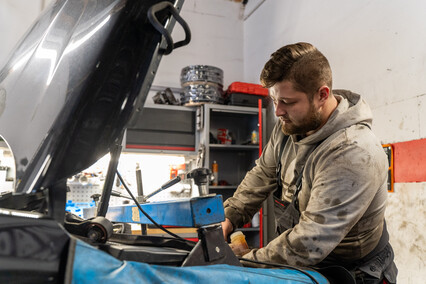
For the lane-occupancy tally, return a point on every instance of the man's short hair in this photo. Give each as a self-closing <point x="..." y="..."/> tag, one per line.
<point x="300" y="63"/>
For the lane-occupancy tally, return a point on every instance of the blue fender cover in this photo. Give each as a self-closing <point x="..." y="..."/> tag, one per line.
<point x="94" y="266"/>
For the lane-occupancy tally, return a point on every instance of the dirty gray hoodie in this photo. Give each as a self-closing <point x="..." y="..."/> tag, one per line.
<point x="344" y="188"/>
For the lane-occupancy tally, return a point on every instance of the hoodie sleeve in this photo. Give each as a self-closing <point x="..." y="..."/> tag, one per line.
<point x="345" y="179"/>
<point x="256" y="186"/>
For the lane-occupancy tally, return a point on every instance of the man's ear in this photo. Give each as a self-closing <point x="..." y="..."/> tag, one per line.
<point x="324" y="93"/>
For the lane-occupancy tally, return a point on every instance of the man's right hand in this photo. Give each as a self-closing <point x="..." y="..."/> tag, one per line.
<point x="227" y="228"/>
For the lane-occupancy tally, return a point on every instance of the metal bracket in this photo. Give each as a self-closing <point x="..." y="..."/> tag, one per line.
<point x="211" y="249"/>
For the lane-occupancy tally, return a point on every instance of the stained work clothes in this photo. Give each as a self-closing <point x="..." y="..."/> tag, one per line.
<point x="343" y="195"/>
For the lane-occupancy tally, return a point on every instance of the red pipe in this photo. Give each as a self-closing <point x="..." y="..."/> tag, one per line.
<point x="259" y="103"/>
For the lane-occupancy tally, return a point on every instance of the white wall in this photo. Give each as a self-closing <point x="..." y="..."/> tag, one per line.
<point x="406" y="223"/>
<point x="217" y="40"/>
<point x="378" y="49"/>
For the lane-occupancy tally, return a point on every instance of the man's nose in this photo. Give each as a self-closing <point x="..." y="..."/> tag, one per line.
<point x="280" y="110"/>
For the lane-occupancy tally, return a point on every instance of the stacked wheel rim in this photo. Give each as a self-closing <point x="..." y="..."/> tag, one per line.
<point x="201" y="84"/>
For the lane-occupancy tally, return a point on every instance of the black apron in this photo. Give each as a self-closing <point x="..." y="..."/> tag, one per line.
<point x="373" y="268"/>
<point x="287" y="214"/>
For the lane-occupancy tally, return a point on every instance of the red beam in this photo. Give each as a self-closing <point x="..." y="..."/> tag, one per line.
<point x="410" y="161"/>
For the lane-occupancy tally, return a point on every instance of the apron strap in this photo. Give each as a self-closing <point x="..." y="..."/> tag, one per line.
<point x="279" y="190"/>
<point x="298" y="185"/>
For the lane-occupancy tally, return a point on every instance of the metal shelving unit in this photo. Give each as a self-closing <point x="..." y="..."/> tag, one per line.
<point x="235" y="159"/>
<point x="164" y="129"/>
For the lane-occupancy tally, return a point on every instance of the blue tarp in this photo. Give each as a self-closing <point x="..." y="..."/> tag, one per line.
<point x="94" y="266"/>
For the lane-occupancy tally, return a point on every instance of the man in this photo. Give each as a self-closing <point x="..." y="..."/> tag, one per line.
<point x="332" y="173"/>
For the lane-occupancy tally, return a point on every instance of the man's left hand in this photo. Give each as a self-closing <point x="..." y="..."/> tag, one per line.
<point x="238" y="251"/>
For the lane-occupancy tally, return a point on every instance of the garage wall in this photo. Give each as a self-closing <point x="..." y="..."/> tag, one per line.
<point x="217" y="39"/>
<point x="376" y="48"/>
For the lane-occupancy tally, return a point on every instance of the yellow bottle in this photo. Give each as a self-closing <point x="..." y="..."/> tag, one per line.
<point x="239" y="244"/>
<point x="215" y="171"/>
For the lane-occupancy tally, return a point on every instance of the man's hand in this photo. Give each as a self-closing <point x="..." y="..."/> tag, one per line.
<point x="238" y="250"/>
<point x="227" y="228"/>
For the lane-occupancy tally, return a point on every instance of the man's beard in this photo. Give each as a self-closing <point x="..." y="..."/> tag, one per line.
<point x="309" y="123"/>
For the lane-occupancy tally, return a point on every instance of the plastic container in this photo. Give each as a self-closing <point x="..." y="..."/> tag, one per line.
<point x="239" y="99"/>
<point x="254" y="137"/>
<point x="215" y="171"/>
<point x="245" y="94"/>
<point x="255" y="222"/>
<point x="238" y="241"/>
<point x="247" y="88"/>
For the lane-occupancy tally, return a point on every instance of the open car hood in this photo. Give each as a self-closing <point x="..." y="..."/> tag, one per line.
<point x="75" y="80"/>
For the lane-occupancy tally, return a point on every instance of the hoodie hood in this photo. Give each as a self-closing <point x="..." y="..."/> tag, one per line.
<point x="351" y="110"/>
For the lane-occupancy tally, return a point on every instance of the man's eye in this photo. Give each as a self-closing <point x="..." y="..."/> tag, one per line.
<point x="276" y="101"/>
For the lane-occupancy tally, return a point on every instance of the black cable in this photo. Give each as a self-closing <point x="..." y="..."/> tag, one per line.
<point x="282" y="266"/>
<point x="179" y="237"/>
<point x="146" y="214"/>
